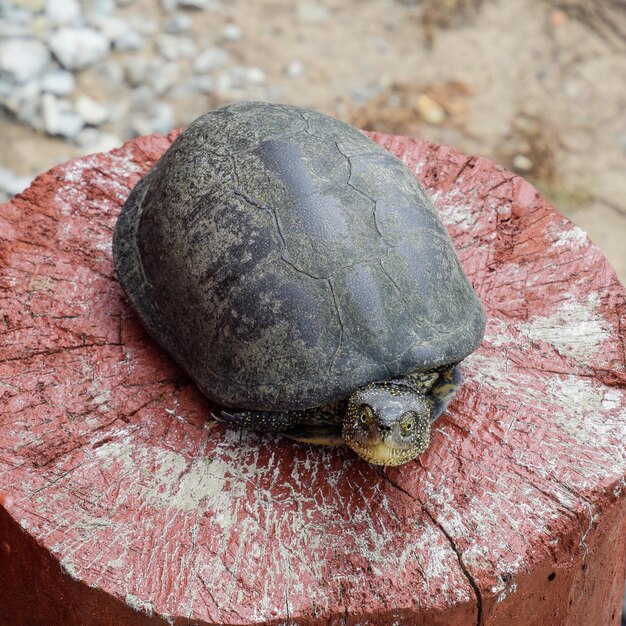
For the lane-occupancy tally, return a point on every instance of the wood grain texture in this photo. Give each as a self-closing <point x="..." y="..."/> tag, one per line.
<point x="121" y="503"/>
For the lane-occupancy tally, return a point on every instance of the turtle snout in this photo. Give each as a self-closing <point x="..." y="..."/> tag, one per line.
<point x="385" y="429"/>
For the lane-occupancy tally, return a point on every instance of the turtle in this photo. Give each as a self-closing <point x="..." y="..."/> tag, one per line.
<point x="301" y="276"/>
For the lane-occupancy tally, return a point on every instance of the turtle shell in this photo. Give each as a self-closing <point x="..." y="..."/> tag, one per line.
<point x="284" y="260"/>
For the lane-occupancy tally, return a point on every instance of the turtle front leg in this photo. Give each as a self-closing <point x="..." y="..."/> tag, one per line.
<point x="320" y="426"/>
<point x="444" y="389"/>
<point x="261" y="421"/>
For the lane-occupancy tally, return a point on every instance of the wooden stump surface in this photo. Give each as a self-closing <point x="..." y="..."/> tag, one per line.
<point x="122" y="503"/>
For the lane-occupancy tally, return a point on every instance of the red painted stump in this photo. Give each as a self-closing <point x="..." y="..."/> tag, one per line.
<point x="122" y="504"/>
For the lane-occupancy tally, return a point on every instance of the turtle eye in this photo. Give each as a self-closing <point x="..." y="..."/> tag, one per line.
<point x="407" y="424"/>
<point x="365" y="416"/>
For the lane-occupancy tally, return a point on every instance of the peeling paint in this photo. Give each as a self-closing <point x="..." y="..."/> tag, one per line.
<point x="574" y="237"/>
<point x="575" y="329"/>
<point x="69" y="568"/>
<point x="139" y="605"/>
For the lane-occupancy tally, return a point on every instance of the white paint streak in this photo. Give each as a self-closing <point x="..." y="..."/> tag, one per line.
<point x="573" y="404"/>
<point x="455" y="207"/>
<point x="219" y="487"/>
<point x="575" y="329"/>
<point x="68" y="567"/>
<point x="575" y="238"/>
<point x="511" y="589"/>
<point x="139" y="605"/>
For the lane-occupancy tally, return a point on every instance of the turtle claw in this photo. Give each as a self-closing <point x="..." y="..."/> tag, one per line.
<point x="224" y="417"/>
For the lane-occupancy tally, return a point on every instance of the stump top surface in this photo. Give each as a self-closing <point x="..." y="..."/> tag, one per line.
<point x="108" y="460"/>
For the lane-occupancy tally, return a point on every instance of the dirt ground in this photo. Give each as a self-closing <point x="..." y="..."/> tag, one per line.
<point x="536" y="85"/>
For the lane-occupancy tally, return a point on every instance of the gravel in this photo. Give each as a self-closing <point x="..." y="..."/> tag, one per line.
<point x="179" y="23"/>
<point x="160" y="119"/>
<point x="58" y="82"/>
<point x="59" y="118"/>
<point x="210" y="60"/>
<point x="93" y="112"/>
<point x="174" y="47"/>
<point x="94" y="140"/>
<point x="63" y="12"/>
<point x="78" y="48"/>
<point x="89" y="73"/>
<point x="22" y="59"/>
<point x="121" y="35"/>
<point x="163" y="77"/>
<point x="23" y="101"/>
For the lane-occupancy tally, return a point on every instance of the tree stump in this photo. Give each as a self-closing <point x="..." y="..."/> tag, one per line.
<point x="122" y="503"/>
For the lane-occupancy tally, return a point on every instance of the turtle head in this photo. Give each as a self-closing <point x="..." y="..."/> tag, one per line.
<point x="387" y="425"/>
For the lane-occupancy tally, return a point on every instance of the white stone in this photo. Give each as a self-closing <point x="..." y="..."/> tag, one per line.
<point x="129" y="41"/>
<point x="179" y="23"/>
<point x="110" y="26"/>
<point x="93" y="112"/>
<point x="11" y="183"/>
<point x="294" y="69"/>
<point x="118" y="32"/>
<point x="59" y="83"/>
<point x="200" y="84"/>
<point x="254" y="75"/>
<point x="78" y="48"/>
<point x="13" y="30"/>
<point x="136" y="69"/>
<point x="111" y="72"/>
<point x="141" y="98"/>
<point x="23" y="59"/>
<point x="209" y="60"/>
<point x="522" y="163"/>
<point x="161" y="120"/>
<point x="102" y="7"/>
<point x="23" y="101"/>
<point x="107" y="142"/>
<point x="224" y="83"/>
<point x="70" y="124"/>
<point x="168" y="6"/>
<point x="95" y="141"/>
<point x="63" y="12"/>
<point x="242" y="76"/>
<point x="51" y="113"/>
<point x="163" y="77"/>
<point x="6" y="87"/>
<point x="58" y="117"/>
<point x="87" y="137"/>
<point x="143" y="24"/>
<point x="173" y="48"/>
<point x="231" y="32"/>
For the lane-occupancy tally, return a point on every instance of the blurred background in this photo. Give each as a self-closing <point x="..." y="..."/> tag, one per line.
<point x="537" y="85"/>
